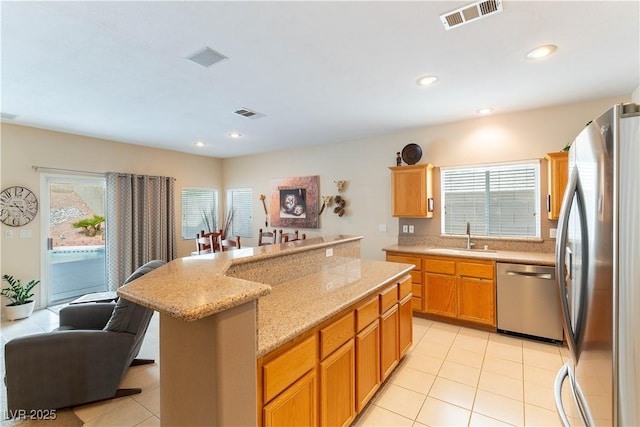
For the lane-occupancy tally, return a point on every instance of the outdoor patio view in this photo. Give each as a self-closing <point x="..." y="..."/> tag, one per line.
<point x="77" y="257"/>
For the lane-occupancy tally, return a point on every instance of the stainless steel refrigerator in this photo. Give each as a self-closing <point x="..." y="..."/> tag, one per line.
<point x="598" y="273"/>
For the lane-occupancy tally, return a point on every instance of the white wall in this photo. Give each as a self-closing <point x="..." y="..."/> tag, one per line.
<point x="23" y="147"/>
<point x="364" y="163"/>
<point x="635" y="97"/>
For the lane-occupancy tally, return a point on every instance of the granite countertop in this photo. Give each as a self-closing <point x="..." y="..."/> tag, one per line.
<point x="517" y="257"/>
<point x="195" y="287"/>
<point x="298" y="305"/>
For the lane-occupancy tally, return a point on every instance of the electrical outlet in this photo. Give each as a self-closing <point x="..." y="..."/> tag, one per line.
<point x="329" y="252"/>
<point x="8" y="234"/>
<point x="552" y="233"/>
<point x="382" y="227"/>
<point x="411" y="229"/>
<point x="405" y="228"/>
<point x="25" y="234"/>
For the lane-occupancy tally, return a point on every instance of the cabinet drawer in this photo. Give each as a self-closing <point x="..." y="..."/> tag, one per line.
<point x="416" y="277"/>
<point x="474" y="269"/>
<point x="367" y="313"/>
<point x="416" y="304"/>
<point x="336" y="334"/>
<point x="388" y="298"/>
<point x="284" y="370"/>
<point x="406" y="259"/>
<point x="416" y="290"/>
<point x="404" y="288"/>
<point x="440" y="266"/>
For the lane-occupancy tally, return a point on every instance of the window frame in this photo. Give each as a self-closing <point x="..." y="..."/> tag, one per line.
<point x="216" y="209"/>
<point x="486" y="225"/>
<point x="246" y="222"/>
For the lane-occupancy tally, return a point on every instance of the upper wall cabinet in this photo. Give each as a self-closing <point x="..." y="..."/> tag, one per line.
<point x="412" y="191"/>
<point x="557" y="169"/>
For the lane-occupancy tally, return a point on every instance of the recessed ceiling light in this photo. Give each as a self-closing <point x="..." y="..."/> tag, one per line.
<point x="199" y="144"/>
<point x="484" y="111"/>
<point x="427" y="80"/>
<point x="541" y="51"/>
<point x="235" y="135"/>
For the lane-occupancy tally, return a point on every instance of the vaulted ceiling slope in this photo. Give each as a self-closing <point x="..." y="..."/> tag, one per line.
<point x="317" y="72"/>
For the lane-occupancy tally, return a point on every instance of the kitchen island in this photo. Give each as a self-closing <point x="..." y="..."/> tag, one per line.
<point x="225" y="316"/>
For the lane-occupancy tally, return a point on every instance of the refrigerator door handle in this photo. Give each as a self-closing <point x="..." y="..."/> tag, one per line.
<point x="562" y="375"/>
<point x="573" y="190"/>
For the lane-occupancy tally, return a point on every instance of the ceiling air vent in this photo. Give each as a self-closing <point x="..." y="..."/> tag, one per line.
<point x="245" y="112"/>
<point x="469" y="13"/>
<point x="207" y="57"/>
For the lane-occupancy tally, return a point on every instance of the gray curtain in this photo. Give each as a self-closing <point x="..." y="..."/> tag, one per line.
<point x="140" y="223"/>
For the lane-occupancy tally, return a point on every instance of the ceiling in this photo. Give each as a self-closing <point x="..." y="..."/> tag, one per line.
<point x="320" y="72"/>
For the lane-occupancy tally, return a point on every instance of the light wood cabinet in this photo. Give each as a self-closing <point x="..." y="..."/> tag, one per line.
<point x="476" y="300"/>
<point x="367" y="363"/>
<point x="441" y="294"/>
<point x="297" y="406"/>
<point x="285" y="369"/>
<point x="417" y="288"/>
<point x="411" y="189"/>
<point x="337" y="387"/>
<point x="557" y="176"/>
<point x="405" y="319"/>
<point x="389" y="349"/>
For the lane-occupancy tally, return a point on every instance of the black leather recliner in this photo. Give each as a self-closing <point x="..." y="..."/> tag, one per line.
<point x="83" y="360"/>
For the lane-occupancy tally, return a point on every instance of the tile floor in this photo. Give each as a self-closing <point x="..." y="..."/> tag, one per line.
<point x="452" y="376"/>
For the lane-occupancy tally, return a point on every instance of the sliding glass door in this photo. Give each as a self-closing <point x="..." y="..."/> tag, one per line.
<point x="73" y="220"/>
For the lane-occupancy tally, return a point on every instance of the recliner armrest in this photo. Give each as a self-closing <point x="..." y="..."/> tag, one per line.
<point x="86" y="316"/>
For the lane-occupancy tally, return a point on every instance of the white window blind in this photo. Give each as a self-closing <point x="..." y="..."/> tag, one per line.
<point x="199" y="211"/>
<point x="497" y="200"/>
<point x="240" y="204"/>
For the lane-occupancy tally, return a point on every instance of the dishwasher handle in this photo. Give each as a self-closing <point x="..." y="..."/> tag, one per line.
<point x="537" y="275"/>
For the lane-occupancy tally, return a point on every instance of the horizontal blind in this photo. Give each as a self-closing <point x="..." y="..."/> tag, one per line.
<point x="497" y="200"/>
<point x="241" y="208"/>
<point x="199" y="211"/>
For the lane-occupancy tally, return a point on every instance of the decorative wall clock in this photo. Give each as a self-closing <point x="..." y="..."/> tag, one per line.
<point x="18" y="206"/>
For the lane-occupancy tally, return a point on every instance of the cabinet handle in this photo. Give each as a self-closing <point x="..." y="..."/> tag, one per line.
<point x="548" y="202"/>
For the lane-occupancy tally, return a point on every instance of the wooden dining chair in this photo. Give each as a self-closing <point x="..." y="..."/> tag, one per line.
<point x="230" y="244"/>
<point x="267" y="237"/>
<point x="207" y="242"/>
<point x="291" y="237"/>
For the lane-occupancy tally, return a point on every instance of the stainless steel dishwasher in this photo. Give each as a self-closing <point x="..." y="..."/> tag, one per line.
<point x="528" y="301"/>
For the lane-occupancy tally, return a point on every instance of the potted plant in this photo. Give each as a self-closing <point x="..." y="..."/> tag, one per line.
<point x="21" y="305"/>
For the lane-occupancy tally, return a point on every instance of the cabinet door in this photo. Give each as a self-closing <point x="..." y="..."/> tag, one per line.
<point x="557" y="175"/>
<point x="389" y="354"/>
<point x="337" y="387"/>
<point x="296" y="406"/>
<point x="405" y="333"/>
<point x="410" y="189"/>
<point x="477" y="300"/>
<point x="440" y="294"/>
<point x="367" y="364"/>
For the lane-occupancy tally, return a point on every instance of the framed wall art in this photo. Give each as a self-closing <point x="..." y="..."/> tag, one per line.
<point x="294" y="202"/>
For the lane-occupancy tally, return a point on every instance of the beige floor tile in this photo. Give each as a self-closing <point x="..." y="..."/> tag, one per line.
<point x="539" y="395"/>
<point x="377" y="416"/>
<point x="445" y="327"/>
<point x="475" y="333"/>
<point x="150" y="399"/>
<point x="127" y="413"/>
<point x="541" y="346"/>
<point x="424" y="363"/>
<point x="453" y="392"/>
<point x="432" y="349"/>
<point x="438" y="413"/>
<point x="418" y="332"/>
<point x="505" y="350"/>
<point x="421" y="321"/>
<point x="499" y="384"/>
<point x="401" y="401"/>
<point x="91" y="411"/>
<point x="469" y="343"/>
<point x="417" y="424"/>
<point x="536" y="416"/>
<point x="479" y="420"/>
<point x="150" y="422"/>
<point x="146" y="377"/>
<point x="414" y="379"/>
<point x="544" y="377"/>
<point x="439" y="336"/>
<point x="459" y="373"/>
<point x="465" y="357"/>
<point x="499" y="407"/>
<point x="503" y="367"/>
<point x="542" y="359"/>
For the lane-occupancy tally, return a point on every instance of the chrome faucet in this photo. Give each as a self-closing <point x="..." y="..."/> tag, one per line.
<point x="469" y="244"/>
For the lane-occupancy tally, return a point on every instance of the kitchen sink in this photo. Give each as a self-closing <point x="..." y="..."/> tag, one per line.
<point x="463" y="250"/>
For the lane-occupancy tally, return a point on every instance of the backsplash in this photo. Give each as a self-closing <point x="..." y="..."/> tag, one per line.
<point x="493" y="244"/>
